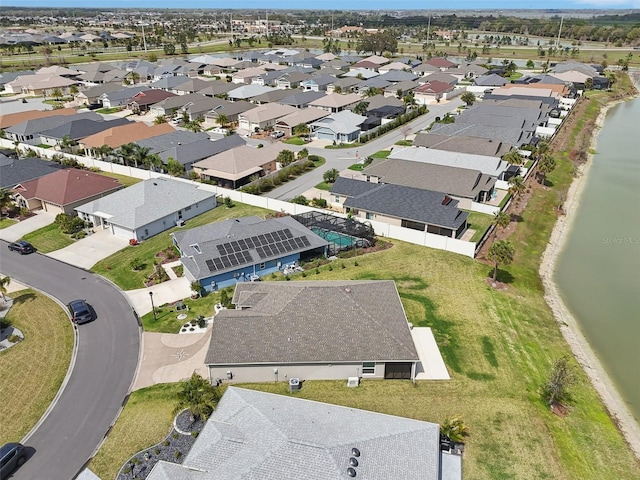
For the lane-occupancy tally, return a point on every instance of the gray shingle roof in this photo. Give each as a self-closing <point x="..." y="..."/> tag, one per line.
<point x="262" y="436"/>
<point x="460" y="182"/>
<point x="303" y="322"/>
<point x="301" y="98"/>
<point x="38" y="125"/>
<point x="208" y="237"/>
<point x="488" y="165"/>
<point x="147" y="201"/>
<point x="407" y="203"/>
<point x="511" y="135"/>
<point x="201" y="149"/>
<point x="462" y="144"/>
<point x="160" y="143"/>
<point x="398" y="76"/>
<point x="77" y="129"/>
<point x="13" y="172"/>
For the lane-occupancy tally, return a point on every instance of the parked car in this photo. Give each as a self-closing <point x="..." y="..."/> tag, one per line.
<point x="12" y="456"/>
<point x="277" y="134"/>
<point x="23" y="247"/>
<point x="80" y="312"/>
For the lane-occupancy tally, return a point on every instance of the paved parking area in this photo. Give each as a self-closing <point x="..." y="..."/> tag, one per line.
<point x="20" y="229"/>
<point x="85" y="253"/>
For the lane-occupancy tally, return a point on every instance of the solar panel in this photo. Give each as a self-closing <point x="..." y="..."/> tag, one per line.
<point x="268" y="251"/>
<point x="263" y="239"/>
<point x="233" y="260"/>
<point x="269" y="236"/>
<point x="260" y="251"/>
<point x="287" y="232"/>
<point x="250" y="243"/>
<point x="210" y="265"/>
<point x="218" y="263"/>
<point x="221" y="249"/>
<point x="235" y="246"/>
<point x="243" y="244"/>
<point x="277" y="235"/>
<point x="305" y="241"/>
<point x="226" y="262"/>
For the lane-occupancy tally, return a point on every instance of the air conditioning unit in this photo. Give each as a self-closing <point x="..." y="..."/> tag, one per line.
<point x="353" y="382"/>
<point x="180" y="223"/>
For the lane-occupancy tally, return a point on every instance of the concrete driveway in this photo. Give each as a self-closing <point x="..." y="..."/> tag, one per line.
<point x="85" y="253"/>
<point x="165" y="292"/>
<point x="20" y="229"/>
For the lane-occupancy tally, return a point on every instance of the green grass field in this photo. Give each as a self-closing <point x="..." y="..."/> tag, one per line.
<point x="32" y="370"/>
<point x="49" y="238"/>
<point x="119" y="268"/>
<point x="7" y="222"/>
<point x="123" y="179"/>
<point x="480" y="222"/>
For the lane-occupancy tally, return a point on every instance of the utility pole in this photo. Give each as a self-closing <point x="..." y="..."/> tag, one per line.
<point x="559" y="32"/>
<point x="428" y="31"/>
<point x="267" y="27"/>
<point x="144" y="38"/>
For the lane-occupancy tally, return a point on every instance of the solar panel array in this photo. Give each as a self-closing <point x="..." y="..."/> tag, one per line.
<point x="267" y="245"/>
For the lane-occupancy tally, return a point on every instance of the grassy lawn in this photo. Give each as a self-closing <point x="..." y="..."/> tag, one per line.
<point x="324" y="186"/>
<point x="7" y="222"/>
<point x="404" y="143"/>
<point x="49" y="238"/>
<point x="357" y="167"/>
<point x="123" y="179"/>
<point x="294" y="141"/>
<point x="344" y="145"/>
<point x="107" y="111"/>
<point x="381" y="154"/>
<point x="33" y="370"/>
<point x="120" y="271"/>
<point x="480" y="222"/>
<point x="145" y="421"/>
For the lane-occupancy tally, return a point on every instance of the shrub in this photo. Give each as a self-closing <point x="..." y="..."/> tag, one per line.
<point x="317" y="271"/>
<point x="177" y="454"/>
<point x="330" y="268"/>
<point x="201" y="321"/>
<point x="175" y="435"/>
<point x="166" y="443"/>
<point x="136" y="264"/>
<point x="156" y="450"/>
<point x="319" y="202"/>
<point x="14" y="338"/>
<point x="355" y="264"/>
<point x="343" y="265"/>
<point x="194" y="434"/>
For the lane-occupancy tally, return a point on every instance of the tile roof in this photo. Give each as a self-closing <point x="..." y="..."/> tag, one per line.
<point x="10" y="119"/>
<point x="117" y="136"/>
<point x="210" y="237"/>
<point x="64" y="187"/>
<point x="408" y="203"/>
<point x="146" y="202"/>
<point x="255" y="435"/>
<point x="289" y="322"/>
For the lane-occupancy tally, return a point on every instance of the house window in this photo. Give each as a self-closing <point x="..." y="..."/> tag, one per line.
<point x="336" y="198"/>
<point x="368" y="368"/>
<point x="262" y="265"/>
<point x="186" y="209"/>
<point x="370" y="216"/>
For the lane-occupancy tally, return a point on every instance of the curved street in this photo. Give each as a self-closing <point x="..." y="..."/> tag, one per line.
<point x="105" y="365"/>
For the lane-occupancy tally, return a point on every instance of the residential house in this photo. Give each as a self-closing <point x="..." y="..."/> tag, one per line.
<point x="441" y="63"/>
<point x="292" y="80"/>
<point x="432" y="92"/>
<point x="377" y="60"/>
<point x="365" y="65"/>
<point x="190" y="153"/>
<point x="465" y="185"/>
<point x="487" y="165"/>
<point x="374" y="83"/>
<point x="361" y="73"/>
<point x="120" y="98"/>
<point x="335" y="102"/>
<point x="91" y="96"/>
<point x="305" y="116"/>
<point x="168" y="83"/>
<point x="11" y="119"/>
<point x="40" y="84"/>
<point x="102" y="74"/>
<point x="318" y="83"/>
<point x="165" y="141"/>
<point x="263" y="117"/>
<point x="440" y="77"/>
<point x="268" y="78"/>
<point x="236" y="167"/>
<point x="147" y="208"/>
<point x="246" y="75"/>
<point x="115" y="137"/>
<point x="191" y="85"/>
<point x="273" y="96"/>
<point x="247" y="92"/>
<point x="225" y="253"/>
<point x="6" y="77"/>
<point x="343" y="85"/>
<point x="392" y="67"/>
<point x="76" y="130"/>
<point x="63" y="190"/>
<point x="301" y="99"/>
<point x="402" y="87"/>
<point x="512" y="135"/>
<point x="341" y="127"/>
<point x="409" y="207"/>
<point x="425" y="69"/>
<point x="487" y="83"/>
<point x="326" y="330"/>
<point x="142" y="102"/>
<point x="173" y="105"/>
<point x="231" y="110"/>
<point x="468" y="71"/>
<point x="29" y="131"/>
<point x="15" y="171"/>
<point x="463" y="144"/>
<point x="218" y="89"/>
<point x="396" y="76"/>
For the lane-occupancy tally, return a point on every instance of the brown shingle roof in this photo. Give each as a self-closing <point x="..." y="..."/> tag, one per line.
<point x="117" y="136"/>
<point x="67" y="186"/>
<point x="11" y="119"/>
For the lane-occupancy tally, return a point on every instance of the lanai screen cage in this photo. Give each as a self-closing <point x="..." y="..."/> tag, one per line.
<point x="341" y="233"/>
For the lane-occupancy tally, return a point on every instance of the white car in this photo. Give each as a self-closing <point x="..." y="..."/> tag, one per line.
<point x="277" y="134"/>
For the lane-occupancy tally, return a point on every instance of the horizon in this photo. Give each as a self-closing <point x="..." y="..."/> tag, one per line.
<point x="355" y="5"/>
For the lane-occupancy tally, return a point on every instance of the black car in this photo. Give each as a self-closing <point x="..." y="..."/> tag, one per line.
<point x="12" y="456"/>
<point x="80" y="312"/>
<point x="22" y="247"/>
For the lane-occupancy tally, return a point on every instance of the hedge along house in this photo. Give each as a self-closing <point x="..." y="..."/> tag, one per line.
<point x="147" y="208"/>
<point x="312" y="330"/>
<point x="222" y="254"/>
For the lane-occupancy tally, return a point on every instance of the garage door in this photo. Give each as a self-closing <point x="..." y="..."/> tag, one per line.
<point x="325" y="136"/>
<point x="121" y="232"/>
<point x="400" y="371"/>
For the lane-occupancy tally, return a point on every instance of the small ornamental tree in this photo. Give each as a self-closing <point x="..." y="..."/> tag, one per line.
<point x="285" y="158"/>
<point x="561" y="377"/>
<point x="454" y="429"/>
<point x="502" y="220"/>
<point x="198" y="396"/>
<point x="546" y="164"/>
<point x="501" y="253"/>
<point x="330" y="176"/>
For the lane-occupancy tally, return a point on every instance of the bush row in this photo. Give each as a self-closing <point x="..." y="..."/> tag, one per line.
<point x="401" y="120"/>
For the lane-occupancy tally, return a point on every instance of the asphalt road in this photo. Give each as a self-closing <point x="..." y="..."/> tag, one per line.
<point x="107" y="356"/>
<point x="344" y="157"/>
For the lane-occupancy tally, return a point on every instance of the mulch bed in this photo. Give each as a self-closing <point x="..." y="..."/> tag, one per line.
<point x="560" y="410"/>
<point x="172" y="449"/>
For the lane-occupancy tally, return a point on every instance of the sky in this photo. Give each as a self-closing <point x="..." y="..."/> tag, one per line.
<point x="338" y="4"/>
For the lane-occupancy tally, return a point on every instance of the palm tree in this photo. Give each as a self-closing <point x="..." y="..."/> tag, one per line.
<point x="361" y="108"/>
<point x="104" y="151"/>
<point x="302" y="130"/>
<point x="512" y="157"/>
<point x="154" y="161"/>
<point x="198" y="396"/>
<point x="542" y="147"/>
<point x="454" y="429"/>
<point x="409" y="100"/>
<point x="135" y="77"/>
<point x="4" y="283"/>
<point x="67" y="143"/>
<point x="73" y="90"/>
<point x="126" y="152"/>
<point x="57" y="94"/>
<point x="5" y="199"/>
<point x="501" y="253"/>
<point x="140" y="155"/>
<point x="468" y="97"/>
<point x="160" y="119"/>
<point x="546" y="165"/>
<point x="502" y="220"/>
<point x="372" y="92"/>
<point x="516" y="186"/>
<point x="222" y="120"/>
<point x="285" y="157"/>
<point x="195" y="126"/>
<point x="337" y="89"/>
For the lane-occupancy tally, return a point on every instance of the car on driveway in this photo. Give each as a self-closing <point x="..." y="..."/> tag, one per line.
<point x="12" y="456"/>
<point x="80" y="312"/>
<point x="277" y="134"/>
<point x="23" y="247"/>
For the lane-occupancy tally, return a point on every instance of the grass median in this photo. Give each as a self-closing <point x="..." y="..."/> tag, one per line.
<point x="32" y="370"/>
<point x="117" y="267"/>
